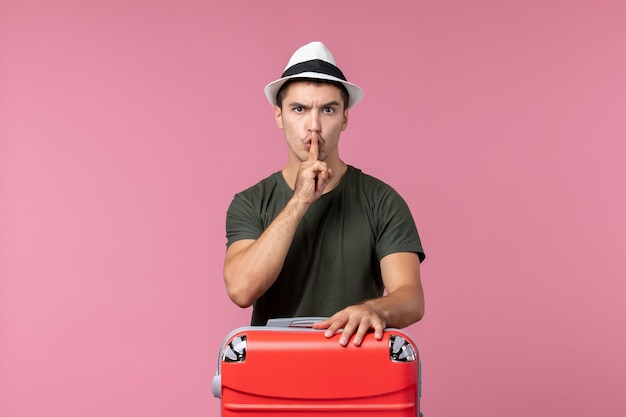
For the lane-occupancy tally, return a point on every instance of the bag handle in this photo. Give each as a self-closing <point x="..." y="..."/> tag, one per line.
<point x="298" y="322"/>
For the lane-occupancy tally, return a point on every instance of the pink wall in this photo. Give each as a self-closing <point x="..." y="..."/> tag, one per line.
<point x="127" y="126"/>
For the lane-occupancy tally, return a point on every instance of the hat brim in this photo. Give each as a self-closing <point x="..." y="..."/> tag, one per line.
<point x="355" y="93"/>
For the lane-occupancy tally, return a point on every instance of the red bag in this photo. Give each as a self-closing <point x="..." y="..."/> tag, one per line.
<point x="288" y="368"/>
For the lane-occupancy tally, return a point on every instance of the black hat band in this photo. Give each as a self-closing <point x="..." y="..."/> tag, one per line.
<point x="314" y="65"/>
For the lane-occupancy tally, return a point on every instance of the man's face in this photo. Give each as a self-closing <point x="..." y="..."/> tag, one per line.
<point x="307" y="108"/>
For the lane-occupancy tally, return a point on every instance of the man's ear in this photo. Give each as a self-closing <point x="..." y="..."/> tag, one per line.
<point x="278" y="115"/>
<point x="344" y="125"/>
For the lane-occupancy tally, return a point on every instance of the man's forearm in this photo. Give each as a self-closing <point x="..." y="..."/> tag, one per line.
<point x="401" y="308"/>
<point x="250" y="269"/>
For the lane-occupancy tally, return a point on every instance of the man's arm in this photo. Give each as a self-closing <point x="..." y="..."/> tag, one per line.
<point x="252" y="265"/>
<point x="403" y="305"/>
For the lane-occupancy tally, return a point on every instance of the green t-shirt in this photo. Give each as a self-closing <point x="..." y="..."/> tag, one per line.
<point x="334" y="259"/>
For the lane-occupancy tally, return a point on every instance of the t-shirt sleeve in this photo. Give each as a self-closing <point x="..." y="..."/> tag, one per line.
<point x="242" y="221"/>
<point x="397" y="231"/>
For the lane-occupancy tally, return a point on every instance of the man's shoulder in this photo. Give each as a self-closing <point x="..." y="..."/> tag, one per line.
<point x="366" y="181"/>
<point x="266" y="184"/>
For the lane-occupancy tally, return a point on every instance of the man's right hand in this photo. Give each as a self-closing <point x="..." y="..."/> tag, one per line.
<point x="251" y="266"/>
<point x="313" y="175"/>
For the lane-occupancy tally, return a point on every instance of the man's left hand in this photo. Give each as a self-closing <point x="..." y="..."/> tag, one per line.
<point x="357" y="320"/>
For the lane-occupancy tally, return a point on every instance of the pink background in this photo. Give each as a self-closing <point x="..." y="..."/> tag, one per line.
<point x="126" y="127"/>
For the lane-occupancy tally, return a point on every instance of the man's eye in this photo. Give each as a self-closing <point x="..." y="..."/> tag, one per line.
<point x="329" y="110"/>
<point x="298" y="109"/>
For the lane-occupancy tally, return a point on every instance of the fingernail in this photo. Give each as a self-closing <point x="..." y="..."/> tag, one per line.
<point x="343" y="341"/>
<point x="328" y="333"/>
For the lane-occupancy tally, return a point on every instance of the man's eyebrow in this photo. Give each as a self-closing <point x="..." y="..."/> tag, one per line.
<point x="333" y="103"/>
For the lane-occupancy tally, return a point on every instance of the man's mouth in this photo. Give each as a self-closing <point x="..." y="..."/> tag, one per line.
<point x="320" y="142"/>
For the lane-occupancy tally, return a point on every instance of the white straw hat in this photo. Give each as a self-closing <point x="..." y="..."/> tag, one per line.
<point x="314" y="60"/>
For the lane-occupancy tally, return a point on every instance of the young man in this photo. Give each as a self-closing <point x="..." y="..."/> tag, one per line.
<point x="321" y="238"/>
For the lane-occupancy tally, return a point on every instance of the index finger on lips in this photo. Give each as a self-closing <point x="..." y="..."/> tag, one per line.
<point x="314" y="148"/>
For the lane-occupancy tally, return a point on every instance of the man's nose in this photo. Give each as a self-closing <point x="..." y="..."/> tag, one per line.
<point x="314" y="122"/>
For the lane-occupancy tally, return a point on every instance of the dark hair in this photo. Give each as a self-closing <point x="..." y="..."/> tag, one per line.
<point x="282" y="91"/>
